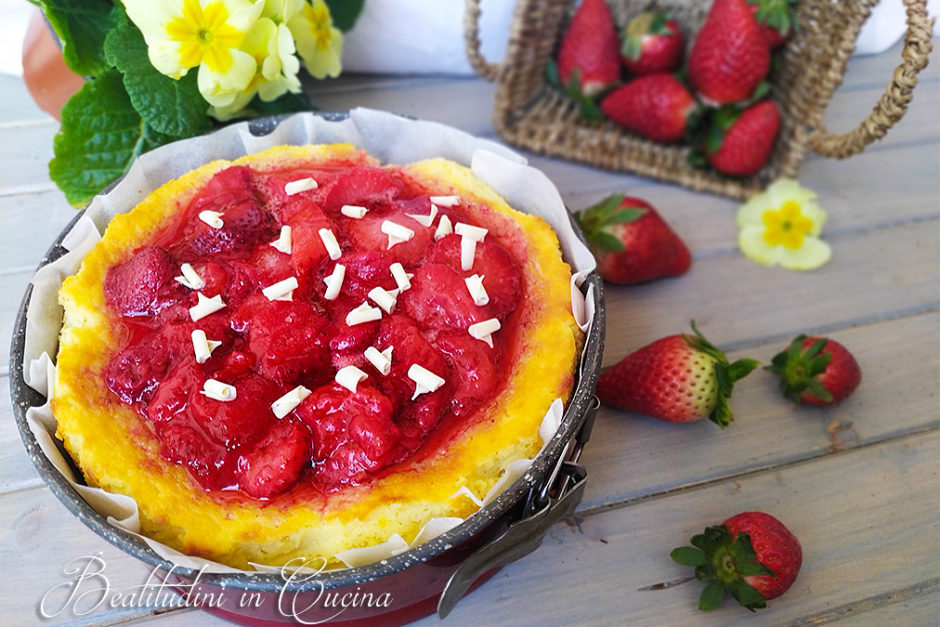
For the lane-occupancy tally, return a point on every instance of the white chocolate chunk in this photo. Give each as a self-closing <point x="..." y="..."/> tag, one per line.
<point x="330" y="243"/>
<point x="205" y="306"/>
<point x="334" y="282"/>
<point x="382" y="360"/>
<point x="212" y="218"/>
<point x="384" y="299"/>
<point x="396" y="232"/>
<point x="202" y="346"/>
<point x="349" y="377"/>
<point x="444" y="227"/>
<point x="427" y="220"/>
<point x="476" y="289"/>
<point x="484" y="330"/>
<point x="283" y="242"/>
<point x="219" y="391"/>
<point x="190" y="277"/>
<point x="353" y="211"/>
<point x="475" y="233"/>
<point x="289" y="402"/>
<point x="468" y="250"/>
<point x="425" y="380"/>
<point x="402" y="278"/>
<point x="363" y="313"/>
<point x="282" y="290"/>
<point x="445" y="201"/>
<point x="300" y="185"/>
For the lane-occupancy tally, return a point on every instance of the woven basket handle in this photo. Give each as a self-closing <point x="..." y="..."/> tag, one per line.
<point x="471" y="38"/>
<point x="894" y="101"/>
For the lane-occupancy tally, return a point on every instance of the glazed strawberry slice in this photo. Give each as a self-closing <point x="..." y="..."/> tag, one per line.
<point x="272" y="189"/>
<point x="289" y="339"/>
<point x="271" y="265"/>
<point x="272" y="465"/>
<point x="172" y="395"/>
<point x="143" y="285"/>
<point x="439" y="299"/>
<point x="472" y="366"/>
<point x="183" y="445"/>
<point x="240" y="421"/>
<point x="348" y="343"/>
<point x="245" y="224"/>
<point x="366" y="234"/>
<point x="363" y="186"/>
<point x="229" y="187"/>
<point x="501" y="277"/>
<point x="307" y="249"/>
<point x="134" y="373"/>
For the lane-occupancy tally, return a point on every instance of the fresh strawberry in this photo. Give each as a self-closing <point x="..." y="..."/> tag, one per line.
<point x="656" y="106"/>
<point x="740" y="143"/>
<point x="775" y="20"/>
<point x="631" y="241"/>
<point x="588" y="60"/>
<point x="651" y="43"/>
<point x="729" y="57"/>
<point x="816" y="371"/>
<point x="679" y="378"/>
<point x="752" y="555"/>
<point x="273" y="464"/>
<point x="143" y="285"/>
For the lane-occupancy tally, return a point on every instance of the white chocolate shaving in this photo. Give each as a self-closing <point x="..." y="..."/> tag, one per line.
<point x="363" y="313"/>
<point x="444" y="227"/>
<point x="190" y="277"/>
<point x="205" y="306"/>
<point x="353" y="211"/>
<point x="289" y="402"/>
<point x="427" y="220"/>
<point x="468" y="250"/>
<point x="219" y="391"/>
<point x="445" y="201"/>
<point x="330" y="243"/>
<point x="283" y="241"/>
<point x="484" y="330"/>
<point x="382" y="360"/>
<point x="300" y="185"/>
<point x="349" y="377"/>
<point x="282" y="290"/>
<point x="383" y="298"/>
<point x="476" y="289"/>
<point x="402" y="278"/>
<point x="212" y="218"/>
<point x="396" y="232"/>
<point x="202" y="346"/>
<point x="425" y="380"/>
<point x="475" y="233"/>
<point x="334" y="282"/>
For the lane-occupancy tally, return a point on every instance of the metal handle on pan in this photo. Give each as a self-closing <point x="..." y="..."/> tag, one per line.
<point x="549" y="503"/>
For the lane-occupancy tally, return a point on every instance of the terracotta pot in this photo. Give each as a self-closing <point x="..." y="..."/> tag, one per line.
<point x="49" y="81"/>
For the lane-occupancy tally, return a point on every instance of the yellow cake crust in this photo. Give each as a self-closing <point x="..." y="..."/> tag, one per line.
<point x="118" y="451"/>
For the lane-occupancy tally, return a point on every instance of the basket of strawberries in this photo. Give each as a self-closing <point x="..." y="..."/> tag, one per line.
<point x="720" y="96"/>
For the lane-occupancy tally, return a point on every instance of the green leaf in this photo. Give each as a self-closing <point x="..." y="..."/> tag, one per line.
<point x="815" y="348"/>
<point x="725" y="385"/>
<point x="747" y="595"/>
<point x="551" y="74"/>
<point x="100" y="136"/>
<point x="819" y="390"/>
<point x="625" y="215"/>
<point x="687" y="556"/>
<point x="345" y="12"/>
<point x="739" y="369"/>
<point x="721" y="415"/>
<point x="590" y="110"/>
<point x="711" y="596"/>
<point x="608" y="242"/>
<point x="82" y="26"/>
<point x="172" y="107"/>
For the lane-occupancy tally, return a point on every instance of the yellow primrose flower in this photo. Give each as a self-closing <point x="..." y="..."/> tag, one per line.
<point x="183" y="34"/>
<point x="781" y="226"/>
<point x="272" y="48"/>
<point x="319" y="43"/>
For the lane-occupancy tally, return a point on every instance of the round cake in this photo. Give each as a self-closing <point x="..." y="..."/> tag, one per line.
<point x="302" y="352"/>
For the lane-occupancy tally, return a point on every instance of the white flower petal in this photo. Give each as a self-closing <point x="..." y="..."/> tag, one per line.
<point x="752" y="211"/>
<point x="752" y="244"/>
<point x="812" y="254"/>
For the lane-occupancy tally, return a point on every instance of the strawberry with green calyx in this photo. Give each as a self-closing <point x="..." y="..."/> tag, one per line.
<point x="679" y="378"/>
<point x="776" y="20"/>
<point x="588" y="60"/>
<point x="752" y="555"/>
<point x="657" y="106"/>
<point x="631" y="241"/>
<point x="738" y="143"/>
<point x="651" y="43"/>
<point x="816" y="371"/>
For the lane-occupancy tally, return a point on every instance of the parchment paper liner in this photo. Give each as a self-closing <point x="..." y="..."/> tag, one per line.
<point x="389" y="138"/>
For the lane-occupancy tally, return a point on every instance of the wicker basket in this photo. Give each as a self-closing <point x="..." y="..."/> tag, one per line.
<point x="530" y="114"/>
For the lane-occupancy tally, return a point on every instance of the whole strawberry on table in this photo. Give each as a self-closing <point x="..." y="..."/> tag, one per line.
<point x="816" y="371"/>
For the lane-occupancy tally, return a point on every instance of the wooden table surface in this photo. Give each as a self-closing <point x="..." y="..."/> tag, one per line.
<point x="857" y="483"/>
